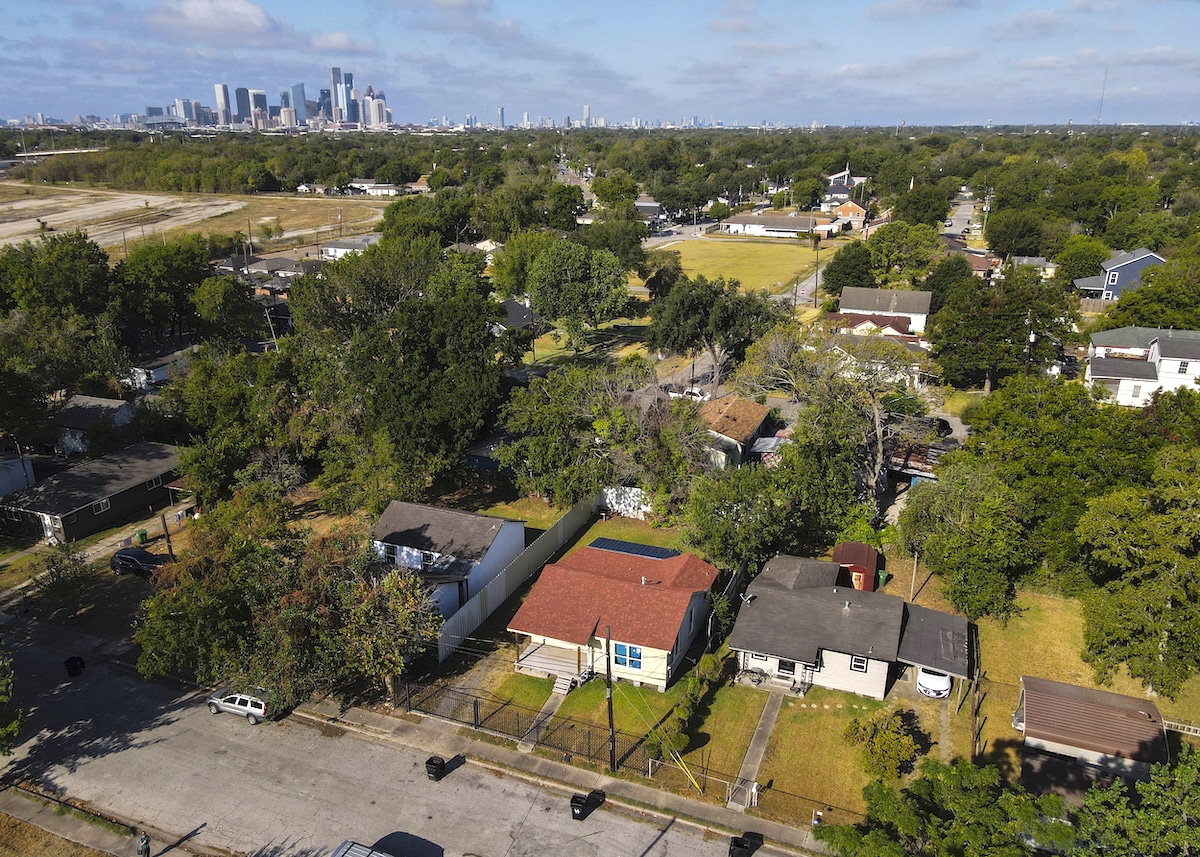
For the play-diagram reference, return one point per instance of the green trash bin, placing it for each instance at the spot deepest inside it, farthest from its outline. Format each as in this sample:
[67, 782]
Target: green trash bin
[140, 537]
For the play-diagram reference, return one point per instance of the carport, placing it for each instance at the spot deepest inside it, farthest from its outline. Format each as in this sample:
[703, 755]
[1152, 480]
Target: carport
[938, 641]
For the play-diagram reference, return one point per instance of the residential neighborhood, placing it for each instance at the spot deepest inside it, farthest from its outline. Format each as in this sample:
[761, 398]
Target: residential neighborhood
[772, 501]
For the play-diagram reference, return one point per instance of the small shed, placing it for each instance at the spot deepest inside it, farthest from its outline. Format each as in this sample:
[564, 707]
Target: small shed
[1076, 736]
[861, 560]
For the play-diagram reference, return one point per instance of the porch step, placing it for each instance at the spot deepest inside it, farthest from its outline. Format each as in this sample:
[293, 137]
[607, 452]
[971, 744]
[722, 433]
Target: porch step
[562, 684]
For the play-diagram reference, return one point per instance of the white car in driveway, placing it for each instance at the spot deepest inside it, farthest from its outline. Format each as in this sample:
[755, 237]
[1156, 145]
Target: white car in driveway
[933, 683]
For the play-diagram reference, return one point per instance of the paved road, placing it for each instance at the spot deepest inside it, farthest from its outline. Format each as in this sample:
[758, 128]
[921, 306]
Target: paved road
[152, 755]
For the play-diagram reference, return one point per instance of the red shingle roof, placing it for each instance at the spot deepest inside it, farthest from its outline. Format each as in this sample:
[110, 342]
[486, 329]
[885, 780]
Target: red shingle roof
[577, 598]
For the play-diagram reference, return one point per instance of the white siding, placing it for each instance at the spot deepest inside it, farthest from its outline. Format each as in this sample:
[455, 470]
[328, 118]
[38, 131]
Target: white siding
[834, 672]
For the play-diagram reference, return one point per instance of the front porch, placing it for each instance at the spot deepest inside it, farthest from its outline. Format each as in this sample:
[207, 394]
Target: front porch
[544, 659]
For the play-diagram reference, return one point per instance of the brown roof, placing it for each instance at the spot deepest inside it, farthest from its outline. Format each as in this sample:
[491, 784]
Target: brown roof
[1096, 720]
[734, 418]
[856, 553]
[642, 599]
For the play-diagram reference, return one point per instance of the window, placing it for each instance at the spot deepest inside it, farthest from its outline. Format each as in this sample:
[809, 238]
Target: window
[1112, 278]
[13, 514]
[1137, 391]
[389, 553]
[1183, 364]
[428, 560]
[102, 506]
[154, 483]
[787, 667]
[627, 656]
[858, 663]
[755, 656]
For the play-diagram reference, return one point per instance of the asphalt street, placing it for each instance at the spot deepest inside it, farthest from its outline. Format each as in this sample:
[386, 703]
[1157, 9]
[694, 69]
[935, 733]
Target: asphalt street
[149, 754]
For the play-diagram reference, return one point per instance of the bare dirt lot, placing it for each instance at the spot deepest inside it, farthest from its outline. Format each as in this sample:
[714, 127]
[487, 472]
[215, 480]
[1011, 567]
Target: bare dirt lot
[103, 214]
[114, 219]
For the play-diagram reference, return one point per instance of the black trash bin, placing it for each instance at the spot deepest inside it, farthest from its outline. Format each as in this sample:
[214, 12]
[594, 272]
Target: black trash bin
[579, 807]
[596, 798]
[739, 846]
[74, 665]
[435, 768]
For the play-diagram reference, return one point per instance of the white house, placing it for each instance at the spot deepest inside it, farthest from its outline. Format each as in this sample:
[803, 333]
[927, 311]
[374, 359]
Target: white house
[456, 553]
[1134, 363]
[909, 303]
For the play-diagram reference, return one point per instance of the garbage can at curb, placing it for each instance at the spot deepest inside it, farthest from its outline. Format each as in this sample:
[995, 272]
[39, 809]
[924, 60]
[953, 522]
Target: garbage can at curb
[74, 665]
[435, 768]
[140, 537]
[579, 805]
[739, 846]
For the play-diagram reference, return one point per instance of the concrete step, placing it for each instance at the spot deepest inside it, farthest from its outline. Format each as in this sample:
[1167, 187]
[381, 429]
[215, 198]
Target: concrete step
[562, 684]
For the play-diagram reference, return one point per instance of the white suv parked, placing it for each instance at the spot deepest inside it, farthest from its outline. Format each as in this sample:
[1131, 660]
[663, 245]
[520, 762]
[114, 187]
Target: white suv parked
[229, 701]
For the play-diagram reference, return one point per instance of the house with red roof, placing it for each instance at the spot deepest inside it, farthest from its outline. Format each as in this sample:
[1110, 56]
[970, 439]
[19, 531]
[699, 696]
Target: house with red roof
[649, 602]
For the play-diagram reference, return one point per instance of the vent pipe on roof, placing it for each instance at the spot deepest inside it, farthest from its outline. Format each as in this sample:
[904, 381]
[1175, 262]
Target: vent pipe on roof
[846, 607]
[643, 580]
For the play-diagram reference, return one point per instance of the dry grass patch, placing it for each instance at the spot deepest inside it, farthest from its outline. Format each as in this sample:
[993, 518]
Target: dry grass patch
[20, 839]
[631, 530]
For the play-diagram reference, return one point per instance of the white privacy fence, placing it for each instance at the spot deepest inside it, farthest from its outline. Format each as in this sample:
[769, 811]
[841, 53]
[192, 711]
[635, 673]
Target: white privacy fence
[472, 614]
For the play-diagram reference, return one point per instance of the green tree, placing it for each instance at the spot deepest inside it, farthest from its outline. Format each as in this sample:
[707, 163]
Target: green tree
[965, 527]
[225, 311]
[925, 204]
[1169, 295]
[901, 252]
[982, 331]
[855, 378]
[1080, 256]
[850, 266]
[510, 267]
[953, 271]
[713, 316]
[11, 717]
[563, 203]
[718, 211]
[1164, 821]
[578, 286]
[1014, 233]
[885, 742]
[1143, 546]
[616, 188]
[951, 811]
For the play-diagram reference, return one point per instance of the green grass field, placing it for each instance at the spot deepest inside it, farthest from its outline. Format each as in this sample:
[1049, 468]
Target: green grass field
[771, 264]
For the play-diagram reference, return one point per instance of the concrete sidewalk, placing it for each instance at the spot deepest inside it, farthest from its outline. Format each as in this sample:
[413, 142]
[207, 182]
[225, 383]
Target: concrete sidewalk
[444, 739]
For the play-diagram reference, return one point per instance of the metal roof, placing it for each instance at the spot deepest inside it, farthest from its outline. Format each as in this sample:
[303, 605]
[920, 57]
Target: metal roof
[1097, 720]
[860, 300]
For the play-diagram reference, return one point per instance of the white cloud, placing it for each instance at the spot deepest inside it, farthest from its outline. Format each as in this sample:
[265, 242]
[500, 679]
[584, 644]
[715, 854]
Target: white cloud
[340, 43]
[916, 8]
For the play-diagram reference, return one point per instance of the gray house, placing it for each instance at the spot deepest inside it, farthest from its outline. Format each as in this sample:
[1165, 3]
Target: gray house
[94, 495]
[799, 628]
[456, 553]
[83, 414]
[901, 303]
[1119, 274]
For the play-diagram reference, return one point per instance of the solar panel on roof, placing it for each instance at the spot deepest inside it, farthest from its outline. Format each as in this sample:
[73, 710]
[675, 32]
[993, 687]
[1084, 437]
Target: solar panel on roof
[633, 548]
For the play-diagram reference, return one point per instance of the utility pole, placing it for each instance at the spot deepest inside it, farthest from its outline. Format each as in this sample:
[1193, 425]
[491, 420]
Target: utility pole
[612, 731]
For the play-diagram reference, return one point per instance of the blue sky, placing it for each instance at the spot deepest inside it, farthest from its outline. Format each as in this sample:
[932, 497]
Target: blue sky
[870, 62]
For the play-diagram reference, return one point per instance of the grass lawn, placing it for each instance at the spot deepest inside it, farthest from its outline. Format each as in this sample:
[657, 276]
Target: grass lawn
[722, 736]
[101, 603]
[631, 530]
[636, 710]
[808, 765]
[957, 400]
[525, 691]
[755, 263]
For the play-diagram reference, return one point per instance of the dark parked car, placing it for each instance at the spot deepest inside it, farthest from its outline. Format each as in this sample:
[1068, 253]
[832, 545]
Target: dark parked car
[136, 560]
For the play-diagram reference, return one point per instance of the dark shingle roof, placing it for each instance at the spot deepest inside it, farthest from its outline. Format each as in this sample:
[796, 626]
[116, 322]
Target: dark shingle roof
[1120, 259]
[449, 532]
[860, 300]
[87, 483]
[81, 412]
[1179, 349]
[794, 611]
[1118, 367]
[1139, 337]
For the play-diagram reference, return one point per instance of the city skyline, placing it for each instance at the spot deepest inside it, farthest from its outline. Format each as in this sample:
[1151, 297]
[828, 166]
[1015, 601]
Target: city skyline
[891, 62]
